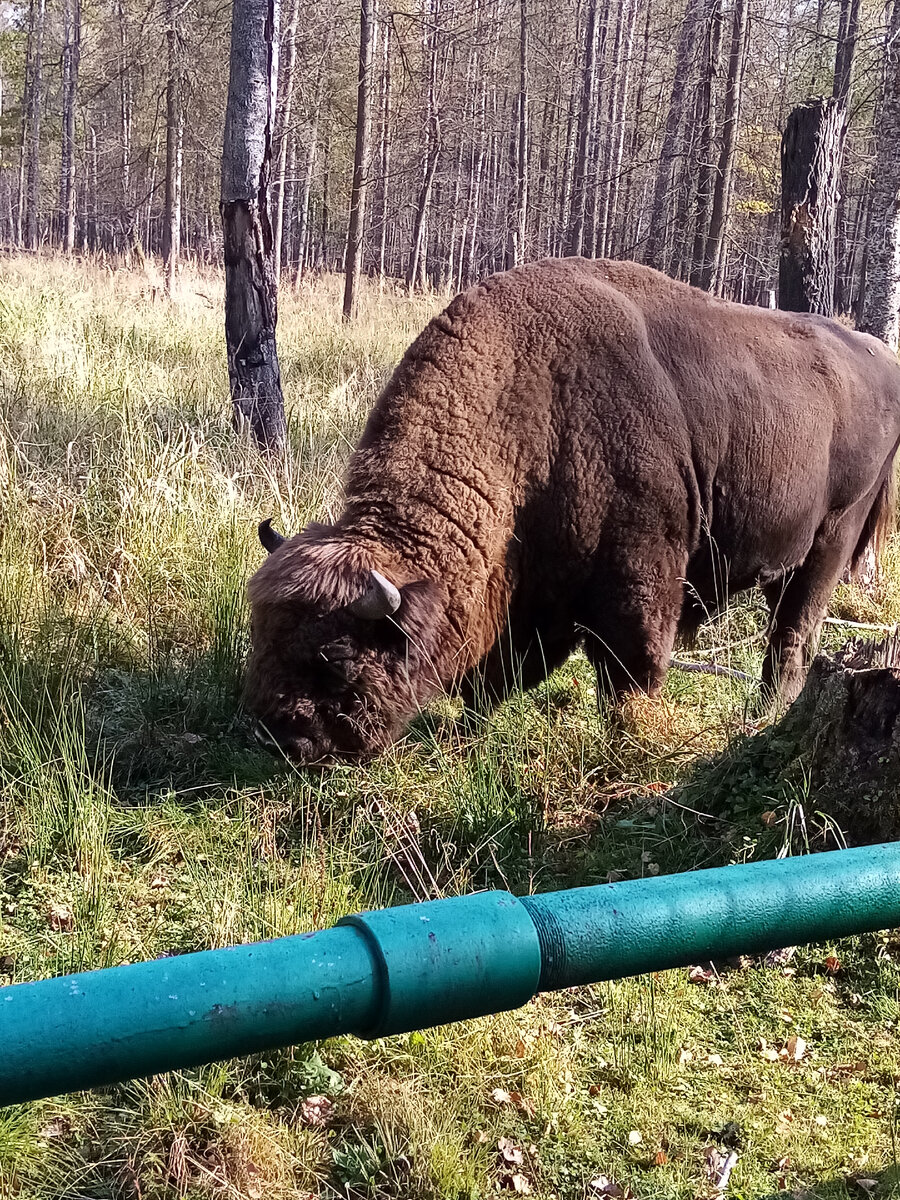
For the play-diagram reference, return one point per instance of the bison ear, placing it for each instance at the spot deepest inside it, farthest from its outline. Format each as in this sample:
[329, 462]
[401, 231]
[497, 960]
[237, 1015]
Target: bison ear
[380, 599]
[270, 538]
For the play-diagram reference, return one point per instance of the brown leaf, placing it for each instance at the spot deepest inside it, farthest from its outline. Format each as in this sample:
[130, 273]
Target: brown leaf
[478, 1137]
[768, 818]
[660, 1158]
[510, 1152]
[795, 1047]
[832, 965]
[520, 1049]
[701, 975]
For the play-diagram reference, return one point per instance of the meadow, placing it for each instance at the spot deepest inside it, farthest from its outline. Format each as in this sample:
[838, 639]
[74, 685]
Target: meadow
[138, 818]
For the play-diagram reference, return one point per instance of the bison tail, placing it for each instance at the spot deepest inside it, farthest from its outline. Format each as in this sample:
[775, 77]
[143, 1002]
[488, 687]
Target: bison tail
[879, 523]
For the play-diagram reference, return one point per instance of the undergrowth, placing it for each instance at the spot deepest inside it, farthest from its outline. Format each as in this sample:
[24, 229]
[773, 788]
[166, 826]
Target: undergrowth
[138, 818]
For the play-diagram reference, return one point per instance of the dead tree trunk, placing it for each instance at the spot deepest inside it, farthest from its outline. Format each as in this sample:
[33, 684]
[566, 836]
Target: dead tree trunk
[33, 120]
[811, 152]
[578, 202]
[353, 264]
[251, 295]
[285, 134]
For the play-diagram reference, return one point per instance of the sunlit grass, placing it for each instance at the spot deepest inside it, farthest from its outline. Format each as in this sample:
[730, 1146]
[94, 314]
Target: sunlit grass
[137, 818]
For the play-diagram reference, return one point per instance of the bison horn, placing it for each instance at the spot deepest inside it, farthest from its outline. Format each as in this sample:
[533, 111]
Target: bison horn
[380, 599]
[270, 538]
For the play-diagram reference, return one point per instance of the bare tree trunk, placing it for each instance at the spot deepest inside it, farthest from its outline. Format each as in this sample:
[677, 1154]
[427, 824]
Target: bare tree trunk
[658, 233]
[712, 266]
[251, 295]
[578, 200]
[353, 264]
[882, 286]
[415, 270]
[846, 48]
[71, 58]
[705, 172]
[33, 118]
[284, 135]
[125, 123]
[811, 151]
[304, 240]
[384, 145]
[519, 249]
[174, 148]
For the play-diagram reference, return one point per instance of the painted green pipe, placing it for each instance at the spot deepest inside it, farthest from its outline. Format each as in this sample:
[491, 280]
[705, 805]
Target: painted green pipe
[398, 969]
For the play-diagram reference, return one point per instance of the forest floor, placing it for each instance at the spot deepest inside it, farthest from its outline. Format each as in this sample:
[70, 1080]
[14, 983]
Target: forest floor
[137, 819]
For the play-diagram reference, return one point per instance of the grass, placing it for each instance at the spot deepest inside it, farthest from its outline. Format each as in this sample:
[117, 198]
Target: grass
[137, 818]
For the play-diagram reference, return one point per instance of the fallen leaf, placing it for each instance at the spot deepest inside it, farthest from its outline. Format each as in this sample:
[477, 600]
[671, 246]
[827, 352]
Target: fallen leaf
[701, 975]
[685, 1056]
[520, 1049]
[770, 1054]
[478, 1137]
[61, 918]
[832, 965]
[635, 1137]
[501, 1096]
[795, 1047]
[604, 1186]
[714, 1060]
[517, 1183]
[821, 1120]
[768, 818]
[316, 1110]
[660, 1158]
[510, 1152]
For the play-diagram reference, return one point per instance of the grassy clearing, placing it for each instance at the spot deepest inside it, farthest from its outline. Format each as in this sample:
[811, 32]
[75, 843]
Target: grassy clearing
[138, 819]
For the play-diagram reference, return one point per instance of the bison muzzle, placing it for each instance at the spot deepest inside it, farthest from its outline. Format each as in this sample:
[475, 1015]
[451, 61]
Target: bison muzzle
[574, 452]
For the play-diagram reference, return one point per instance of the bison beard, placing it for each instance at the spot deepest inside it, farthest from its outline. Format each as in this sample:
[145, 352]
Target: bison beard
[574, 451]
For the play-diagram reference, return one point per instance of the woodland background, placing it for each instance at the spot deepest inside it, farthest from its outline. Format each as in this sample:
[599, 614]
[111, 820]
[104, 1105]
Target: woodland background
[499, 131]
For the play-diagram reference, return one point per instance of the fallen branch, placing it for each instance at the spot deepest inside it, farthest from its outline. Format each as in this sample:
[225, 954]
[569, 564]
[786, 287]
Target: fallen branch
[711, 669]
[861, 625]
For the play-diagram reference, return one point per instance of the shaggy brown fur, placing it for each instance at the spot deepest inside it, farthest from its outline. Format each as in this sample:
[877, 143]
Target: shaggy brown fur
[576, 451]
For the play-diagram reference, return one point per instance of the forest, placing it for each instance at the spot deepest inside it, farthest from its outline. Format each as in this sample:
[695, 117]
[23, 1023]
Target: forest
[494, 133]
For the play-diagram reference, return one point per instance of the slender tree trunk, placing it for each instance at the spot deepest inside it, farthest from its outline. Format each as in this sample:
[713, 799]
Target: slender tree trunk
[658, 233]
[174, 148]
[304, 239]
[811, 151]
[125, 124]
[519, 245]
[882, 288]
[705, 172]
[353, 263]
[71, 58]
[33, 148]
[251, 295]
[578, 198]
[712, 267]
[284, 135]
[416, 268]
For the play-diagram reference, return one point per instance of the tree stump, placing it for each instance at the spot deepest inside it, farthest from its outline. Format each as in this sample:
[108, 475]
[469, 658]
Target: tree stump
[836, 752]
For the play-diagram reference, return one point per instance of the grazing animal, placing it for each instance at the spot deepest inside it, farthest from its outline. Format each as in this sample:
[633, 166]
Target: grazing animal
[574, 451]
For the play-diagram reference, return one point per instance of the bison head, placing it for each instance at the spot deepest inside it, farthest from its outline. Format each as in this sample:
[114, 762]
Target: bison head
[341, 657]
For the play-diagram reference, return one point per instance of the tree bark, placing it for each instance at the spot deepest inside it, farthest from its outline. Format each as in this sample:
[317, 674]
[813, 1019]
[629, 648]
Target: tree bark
[174, 147]
[705, 170]
[251, 295]
[578, 200]
[655, 251]
[416, 269]
[713, 266]
[519, 252]
[882, 290]
[32, 231]
[284, 135]
[811, 152]
[71, 58]
[359, 185]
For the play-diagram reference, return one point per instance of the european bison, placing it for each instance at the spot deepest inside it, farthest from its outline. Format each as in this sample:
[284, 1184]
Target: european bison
[574, 451]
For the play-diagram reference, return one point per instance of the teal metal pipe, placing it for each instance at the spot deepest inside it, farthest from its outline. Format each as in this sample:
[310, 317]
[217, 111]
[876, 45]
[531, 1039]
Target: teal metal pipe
[386, 972]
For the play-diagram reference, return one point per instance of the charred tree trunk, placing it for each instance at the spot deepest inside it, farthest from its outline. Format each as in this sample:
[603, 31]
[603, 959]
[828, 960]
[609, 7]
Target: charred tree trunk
[251, 295]
[353, 265]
